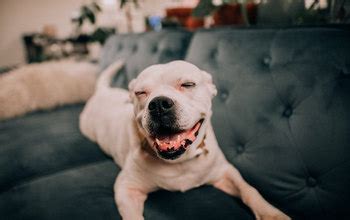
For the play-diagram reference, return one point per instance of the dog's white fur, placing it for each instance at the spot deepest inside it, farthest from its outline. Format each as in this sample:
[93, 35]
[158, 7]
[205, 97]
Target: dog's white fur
[45, 86]
[117, 121]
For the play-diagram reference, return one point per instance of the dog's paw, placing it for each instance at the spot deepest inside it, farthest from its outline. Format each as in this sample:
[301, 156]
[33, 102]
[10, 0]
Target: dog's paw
[276, 215]
[271, 213]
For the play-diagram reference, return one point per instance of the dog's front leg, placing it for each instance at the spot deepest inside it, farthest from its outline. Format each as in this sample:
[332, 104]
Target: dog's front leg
[232, 183]
[130, 198]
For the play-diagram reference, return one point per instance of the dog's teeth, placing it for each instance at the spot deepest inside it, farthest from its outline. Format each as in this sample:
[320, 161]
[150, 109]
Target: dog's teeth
[178, 138]
[157, 141]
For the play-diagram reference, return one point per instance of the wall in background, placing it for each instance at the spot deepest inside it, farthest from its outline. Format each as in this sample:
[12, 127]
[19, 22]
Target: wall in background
[19, 17]
[28, 16]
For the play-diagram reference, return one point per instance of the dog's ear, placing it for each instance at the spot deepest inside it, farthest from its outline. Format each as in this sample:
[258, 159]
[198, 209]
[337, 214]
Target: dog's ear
[131, 87]
[211, 86]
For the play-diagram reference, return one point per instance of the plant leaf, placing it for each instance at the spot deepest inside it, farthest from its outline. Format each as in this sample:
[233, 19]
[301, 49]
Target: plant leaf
[80, 21]
[91, 17]
[89, 14]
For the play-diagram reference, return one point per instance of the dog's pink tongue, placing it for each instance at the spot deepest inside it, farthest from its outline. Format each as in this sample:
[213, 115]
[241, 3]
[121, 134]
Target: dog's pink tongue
[178, 140]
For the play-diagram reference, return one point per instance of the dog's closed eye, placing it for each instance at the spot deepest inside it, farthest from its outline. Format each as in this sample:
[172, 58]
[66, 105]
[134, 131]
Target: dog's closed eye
[140, 93]
[188, 85]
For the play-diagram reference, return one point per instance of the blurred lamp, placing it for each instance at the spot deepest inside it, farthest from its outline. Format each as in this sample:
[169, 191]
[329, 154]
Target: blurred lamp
[155, 22]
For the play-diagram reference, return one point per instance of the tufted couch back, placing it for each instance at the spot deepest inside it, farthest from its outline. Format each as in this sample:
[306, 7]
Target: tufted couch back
[142, 50]
[282, 113]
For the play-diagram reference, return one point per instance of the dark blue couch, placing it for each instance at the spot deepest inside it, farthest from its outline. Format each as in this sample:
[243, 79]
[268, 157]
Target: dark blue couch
[282, 117]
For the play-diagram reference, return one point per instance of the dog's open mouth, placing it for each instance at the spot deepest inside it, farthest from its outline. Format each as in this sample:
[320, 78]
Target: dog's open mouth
[172, 146]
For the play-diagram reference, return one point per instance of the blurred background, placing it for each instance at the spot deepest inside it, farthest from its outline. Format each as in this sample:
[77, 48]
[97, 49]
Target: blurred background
[41, 30]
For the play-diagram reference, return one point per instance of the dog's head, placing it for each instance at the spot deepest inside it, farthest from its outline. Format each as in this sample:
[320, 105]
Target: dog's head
[172, 104]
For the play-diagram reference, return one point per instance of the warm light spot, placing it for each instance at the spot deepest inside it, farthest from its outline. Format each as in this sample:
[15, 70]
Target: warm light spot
[321, 4]
[109, 2]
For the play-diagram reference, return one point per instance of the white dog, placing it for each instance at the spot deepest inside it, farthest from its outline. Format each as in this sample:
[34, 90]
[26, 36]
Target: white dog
[161, 136]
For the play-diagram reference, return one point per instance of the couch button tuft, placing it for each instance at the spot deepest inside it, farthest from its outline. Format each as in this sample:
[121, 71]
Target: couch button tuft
[267, 61]
[311, 182]
[240, 149]
[223, 95]
[134, 48]
[154, 49]
[214, 53]
[288, 111]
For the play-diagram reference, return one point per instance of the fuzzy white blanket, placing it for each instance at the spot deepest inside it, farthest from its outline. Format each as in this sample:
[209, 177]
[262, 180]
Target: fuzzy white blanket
[45, 86]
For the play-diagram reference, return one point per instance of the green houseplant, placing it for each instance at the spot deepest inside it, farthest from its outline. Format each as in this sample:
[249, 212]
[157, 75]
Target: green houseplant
[88, 13]
[227, 12]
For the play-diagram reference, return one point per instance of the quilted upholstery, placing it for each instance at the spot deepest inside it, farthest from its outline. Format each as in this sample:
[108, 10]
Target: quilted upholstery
[142, 50]
[48, 170]
[282, 114]
[281, 117]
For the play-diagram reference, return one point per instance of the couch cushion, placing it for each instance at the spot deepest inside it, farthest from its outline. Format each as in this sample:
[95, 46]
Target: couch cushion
[48, 170]
[282, 112]
[86, 192]
[43, 143]
[142, 50]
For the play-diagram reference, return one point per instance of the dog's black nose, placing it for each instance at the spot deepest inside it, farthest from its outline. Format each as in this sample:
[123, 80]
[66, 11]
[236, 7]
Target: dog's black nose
[160, 105]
